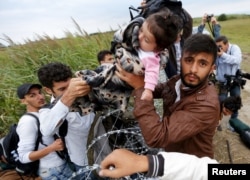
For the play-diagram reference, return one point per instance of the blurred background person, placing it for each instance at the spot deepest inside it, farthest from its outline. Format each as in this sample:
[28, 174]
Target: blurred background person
[216, 27]
[105, 56]
[228, 62]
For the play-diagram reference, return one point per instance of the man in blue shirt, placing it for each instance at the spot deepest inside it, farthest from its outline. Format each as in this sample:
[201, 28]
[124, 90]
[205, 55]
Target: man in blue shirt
[227, 62]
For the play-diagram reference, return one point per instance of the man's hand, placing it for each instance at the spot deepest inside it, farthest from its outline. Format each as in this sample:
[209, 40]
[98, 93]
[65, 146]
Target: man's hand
[204, 19]
[219, 53]
[122, 162]
[57, 145]
[133, 80]
[143, 3]
[3, 159]
[213, 20]
[77, 88]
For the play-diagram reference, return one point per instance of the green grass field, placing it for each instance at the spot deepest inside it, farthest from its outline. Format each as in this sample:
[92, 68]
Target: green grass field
[20, 62]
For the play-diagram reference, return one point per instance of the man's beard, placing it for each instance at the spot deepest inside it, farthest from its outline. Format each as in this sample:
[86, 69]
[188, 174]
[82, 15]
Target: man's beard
[200, 81]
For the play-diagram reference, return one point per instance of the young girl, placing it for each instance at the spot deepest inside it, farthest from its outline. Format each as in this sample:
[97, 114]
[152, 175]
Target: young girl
[137, 47]
[157, 32]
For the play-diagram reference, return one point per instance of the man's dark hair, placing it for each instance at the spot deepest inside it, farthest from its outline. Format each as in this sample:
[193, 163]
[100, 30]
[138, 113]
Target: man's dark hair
[53, 72]
[101, 55]
[233, 103]
[222, 38]
[200, 43]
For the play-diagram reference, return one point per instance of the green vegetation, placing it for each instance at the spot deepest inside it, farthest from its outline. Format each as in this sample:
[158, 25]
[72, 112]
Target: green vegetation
[236, 28]
[20, 62]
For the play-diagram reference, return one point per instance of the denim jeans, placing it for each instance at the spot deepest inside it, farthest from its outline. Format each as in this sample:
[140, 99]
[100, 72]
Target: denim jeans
[83, 174]
[233, 91]
[62, 172]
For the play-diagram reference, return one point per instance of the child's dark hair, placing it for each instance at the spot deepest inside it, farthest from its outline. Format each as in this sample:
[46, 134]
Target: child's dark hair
[165, 26]
[233, 103]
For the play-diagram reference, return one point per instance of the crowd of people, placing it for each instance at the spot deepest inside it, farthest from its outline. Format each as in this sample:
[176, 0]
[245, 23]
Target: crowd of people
[192, 108]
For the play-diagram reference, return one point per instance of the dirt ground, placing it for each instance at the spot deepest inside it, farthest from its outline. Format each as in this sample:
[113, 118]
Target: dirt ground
[228, 145]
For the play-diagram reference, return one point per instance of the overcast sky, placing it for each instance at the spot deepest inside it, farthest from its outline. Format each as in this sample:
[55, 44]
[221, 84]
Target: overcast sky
[25, 19]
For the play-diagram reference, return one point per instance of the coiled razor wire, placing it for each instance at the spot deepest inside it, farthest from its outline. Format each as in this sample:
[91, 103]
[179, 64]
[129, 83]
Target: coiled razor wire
[130, 132]
[134, 142]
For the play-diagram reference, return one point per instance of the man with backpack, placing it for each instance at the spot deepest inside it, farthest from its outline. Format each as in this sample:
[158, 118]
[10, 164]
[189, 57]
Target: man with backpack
[28, 148]
[57, 79]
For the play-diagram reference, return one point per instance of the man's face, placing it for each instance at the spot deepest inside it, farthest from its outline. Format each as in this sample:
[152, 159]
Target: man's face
[34, 100]
[58, 88]
[195, 68]
[109, 58]
[223, 47]
[226, 112]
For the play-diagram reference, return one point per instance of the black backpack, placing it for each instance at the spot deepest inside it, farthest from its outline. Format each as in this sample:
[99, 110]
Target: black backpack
[64, 154]
[174, 6]
[63, 131]
[8, 149]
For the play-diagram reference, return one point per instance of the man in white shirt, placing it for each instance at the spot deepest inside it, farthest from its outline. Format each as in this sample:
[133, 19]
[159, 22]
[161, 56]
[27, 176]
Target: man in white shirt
[32, 97]
[58, 81]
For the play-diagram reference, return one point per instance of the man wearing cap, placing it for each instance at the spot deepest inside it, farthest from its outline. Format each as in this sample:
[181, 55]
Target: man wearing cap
[32, 97]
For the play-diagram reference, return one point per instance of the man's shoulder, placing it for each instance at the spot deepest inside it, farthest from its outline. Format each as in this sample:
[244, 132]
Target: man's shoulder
[174, 79]
[57, 102]
[207, 91]
[48, 106]
[235, 46]
[28, 121]
[29, 116]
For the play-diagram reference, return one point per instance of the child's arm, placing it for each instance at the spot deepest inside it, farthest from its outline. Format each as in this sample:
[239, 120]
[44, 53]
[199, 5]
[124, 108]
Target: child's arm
[147, 95]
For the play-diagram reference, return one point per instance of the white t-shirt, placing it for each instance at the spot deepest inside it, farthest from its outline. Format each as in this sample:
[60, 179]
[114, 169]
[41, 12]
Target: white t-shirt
[78, 129]
[27, 132]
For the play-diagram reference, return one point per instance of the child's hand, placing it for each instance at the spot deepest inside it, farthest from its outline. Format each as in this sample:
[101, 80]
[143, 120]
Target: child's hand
[147, 95]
